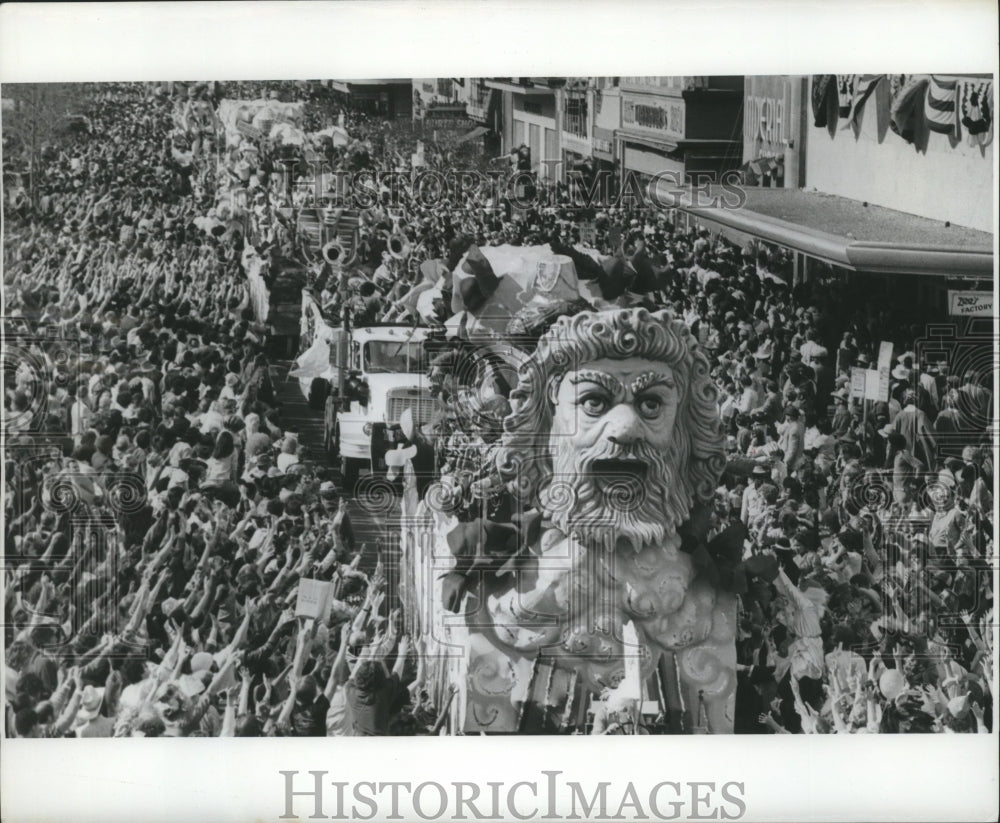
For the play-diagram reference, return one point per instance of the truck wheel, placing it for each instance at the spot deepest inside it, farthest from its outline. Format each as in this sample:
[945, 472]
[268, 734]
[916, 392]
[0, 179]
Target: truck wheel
[318, 391]
[349, 468]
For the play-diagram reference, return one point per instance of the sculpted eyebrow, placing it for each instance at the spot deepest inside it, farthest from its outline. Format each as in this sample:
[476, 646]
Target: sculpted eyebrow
[606, 381]
[651, 378]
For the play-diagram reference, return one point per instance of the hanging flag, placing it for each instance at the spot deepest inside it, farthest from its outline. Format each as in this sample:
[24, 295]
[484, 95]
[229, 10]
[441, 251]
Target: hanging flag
[896, 83]
[907, 95]
[864, 85]
[975, 109]
[823, 86]
[845, 94]
[939, 107]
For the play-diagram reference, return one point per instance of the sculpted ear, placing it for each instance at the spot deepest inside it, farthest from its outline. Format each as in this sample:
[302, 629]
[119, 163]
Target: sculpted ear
[552, 391]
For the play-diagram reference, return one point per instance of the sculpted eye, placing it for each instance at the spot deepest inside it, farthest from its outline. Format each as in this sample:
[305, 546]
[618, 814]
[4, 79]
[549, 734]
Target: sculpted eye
[649, 406]
[594, 404]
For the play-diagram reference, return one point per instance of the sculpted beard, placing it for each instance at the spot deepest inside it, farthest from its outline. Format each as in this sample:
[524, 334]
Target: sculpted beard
[645, 509]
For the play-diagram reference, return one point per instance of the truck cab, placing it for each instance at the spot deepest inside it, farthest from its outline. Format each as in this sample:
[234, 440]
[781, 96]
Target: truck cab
[386, 374]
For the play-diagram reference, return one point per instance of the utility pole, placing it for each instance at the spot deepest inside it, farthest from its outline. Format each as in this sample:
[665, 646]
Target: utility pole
[345, 325]
[33, 160]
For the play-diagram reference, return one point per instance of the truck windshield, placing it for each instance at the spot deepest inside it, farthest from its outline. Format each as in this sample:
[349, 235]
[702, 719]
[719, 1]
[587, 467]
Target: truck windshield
[390, 357]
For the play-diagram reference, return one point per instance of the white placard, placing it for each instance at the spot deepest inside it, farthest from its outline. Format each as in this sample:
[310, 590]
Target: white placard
[876, 386]
[885, 355]
[858, 382]
[315, 597]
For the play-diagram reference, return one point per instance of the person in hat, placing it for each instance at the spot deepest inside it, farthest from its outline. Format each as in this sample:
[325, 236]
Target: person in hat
[791, 437]
[948, 523]
[753, 503]
[905, 467]
[841, 422]
[915, 427]
[334, 519]
[903, 369]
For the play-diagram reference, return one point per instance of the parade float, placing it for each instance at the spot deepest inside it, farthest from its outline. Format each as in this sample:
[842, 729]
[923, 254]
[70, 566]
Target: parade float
[556, 534]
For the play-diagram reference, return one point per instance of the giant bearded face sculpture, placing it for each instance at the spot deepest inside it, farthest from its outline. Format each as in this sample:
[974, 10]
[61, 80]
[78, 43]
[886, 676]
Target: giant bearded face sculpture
[616, 424]
[612, 426]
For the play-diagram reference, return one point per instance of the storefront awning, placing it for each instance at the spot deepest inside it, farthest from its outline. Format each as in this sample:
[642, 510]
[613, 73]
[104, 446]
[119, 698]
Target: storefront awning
[477, 132]
[516, 88]
[662, 144]
[845, 232]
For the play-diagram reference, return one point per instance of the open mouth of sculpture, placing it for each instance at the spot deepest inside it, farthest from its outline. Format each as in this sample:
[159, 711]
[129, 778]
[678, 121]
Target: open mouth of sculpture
[627, 469]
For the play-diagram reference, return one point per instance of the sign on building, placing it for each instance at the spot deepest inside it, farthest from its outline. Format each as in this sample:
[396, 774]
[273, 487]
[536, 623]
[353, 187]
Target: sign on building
[766, 126]
[970, 303]
[654, 115]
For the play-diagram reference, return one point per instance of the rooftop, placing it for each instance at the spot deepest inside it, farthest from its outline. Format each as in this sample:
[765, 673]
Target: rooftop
[853, 219]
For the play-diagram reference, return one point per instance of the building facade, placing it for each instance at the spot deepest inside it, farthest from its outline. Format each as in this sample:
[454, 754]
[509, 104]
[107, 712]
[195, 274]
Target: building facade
[529, 116]
[774, 130]
[392, 98]
[688, 127]
[939, 171]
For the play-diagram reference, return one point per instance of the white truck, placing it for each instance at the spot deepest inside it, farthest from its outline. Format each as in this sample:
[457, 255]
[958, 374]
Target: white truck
[386, 374]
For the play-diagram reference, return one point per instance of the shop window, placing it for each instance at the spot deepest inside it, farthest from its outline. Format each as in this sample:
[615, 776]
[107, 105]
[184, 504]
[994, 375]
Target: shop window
[575, 117]
[478, 93]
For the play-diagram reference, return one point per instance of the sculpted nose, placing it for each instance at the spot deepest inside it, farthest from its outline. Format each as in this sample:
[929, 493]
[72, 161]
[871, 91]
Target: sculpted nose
[622, 427]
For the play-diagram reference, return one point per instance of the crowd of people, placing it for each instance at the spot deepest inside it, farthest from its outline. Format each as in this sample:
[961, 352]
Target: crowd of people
[160, 514]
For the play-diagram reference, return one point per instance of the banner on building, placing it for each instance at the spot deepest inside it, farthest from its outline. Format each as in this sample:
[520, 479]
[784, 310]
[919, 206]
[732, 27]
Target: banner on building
[970, 303]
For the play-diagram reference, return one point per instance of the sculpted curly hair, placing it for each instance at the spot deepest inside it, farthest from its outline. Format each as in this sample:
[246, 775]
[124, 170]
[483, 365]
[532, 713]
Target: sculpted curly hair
[697, 451]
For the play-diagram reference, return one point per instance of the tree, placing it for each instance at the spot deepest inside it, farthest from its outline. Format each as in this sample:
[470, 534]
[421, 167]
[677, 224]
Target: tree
[37, 114]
